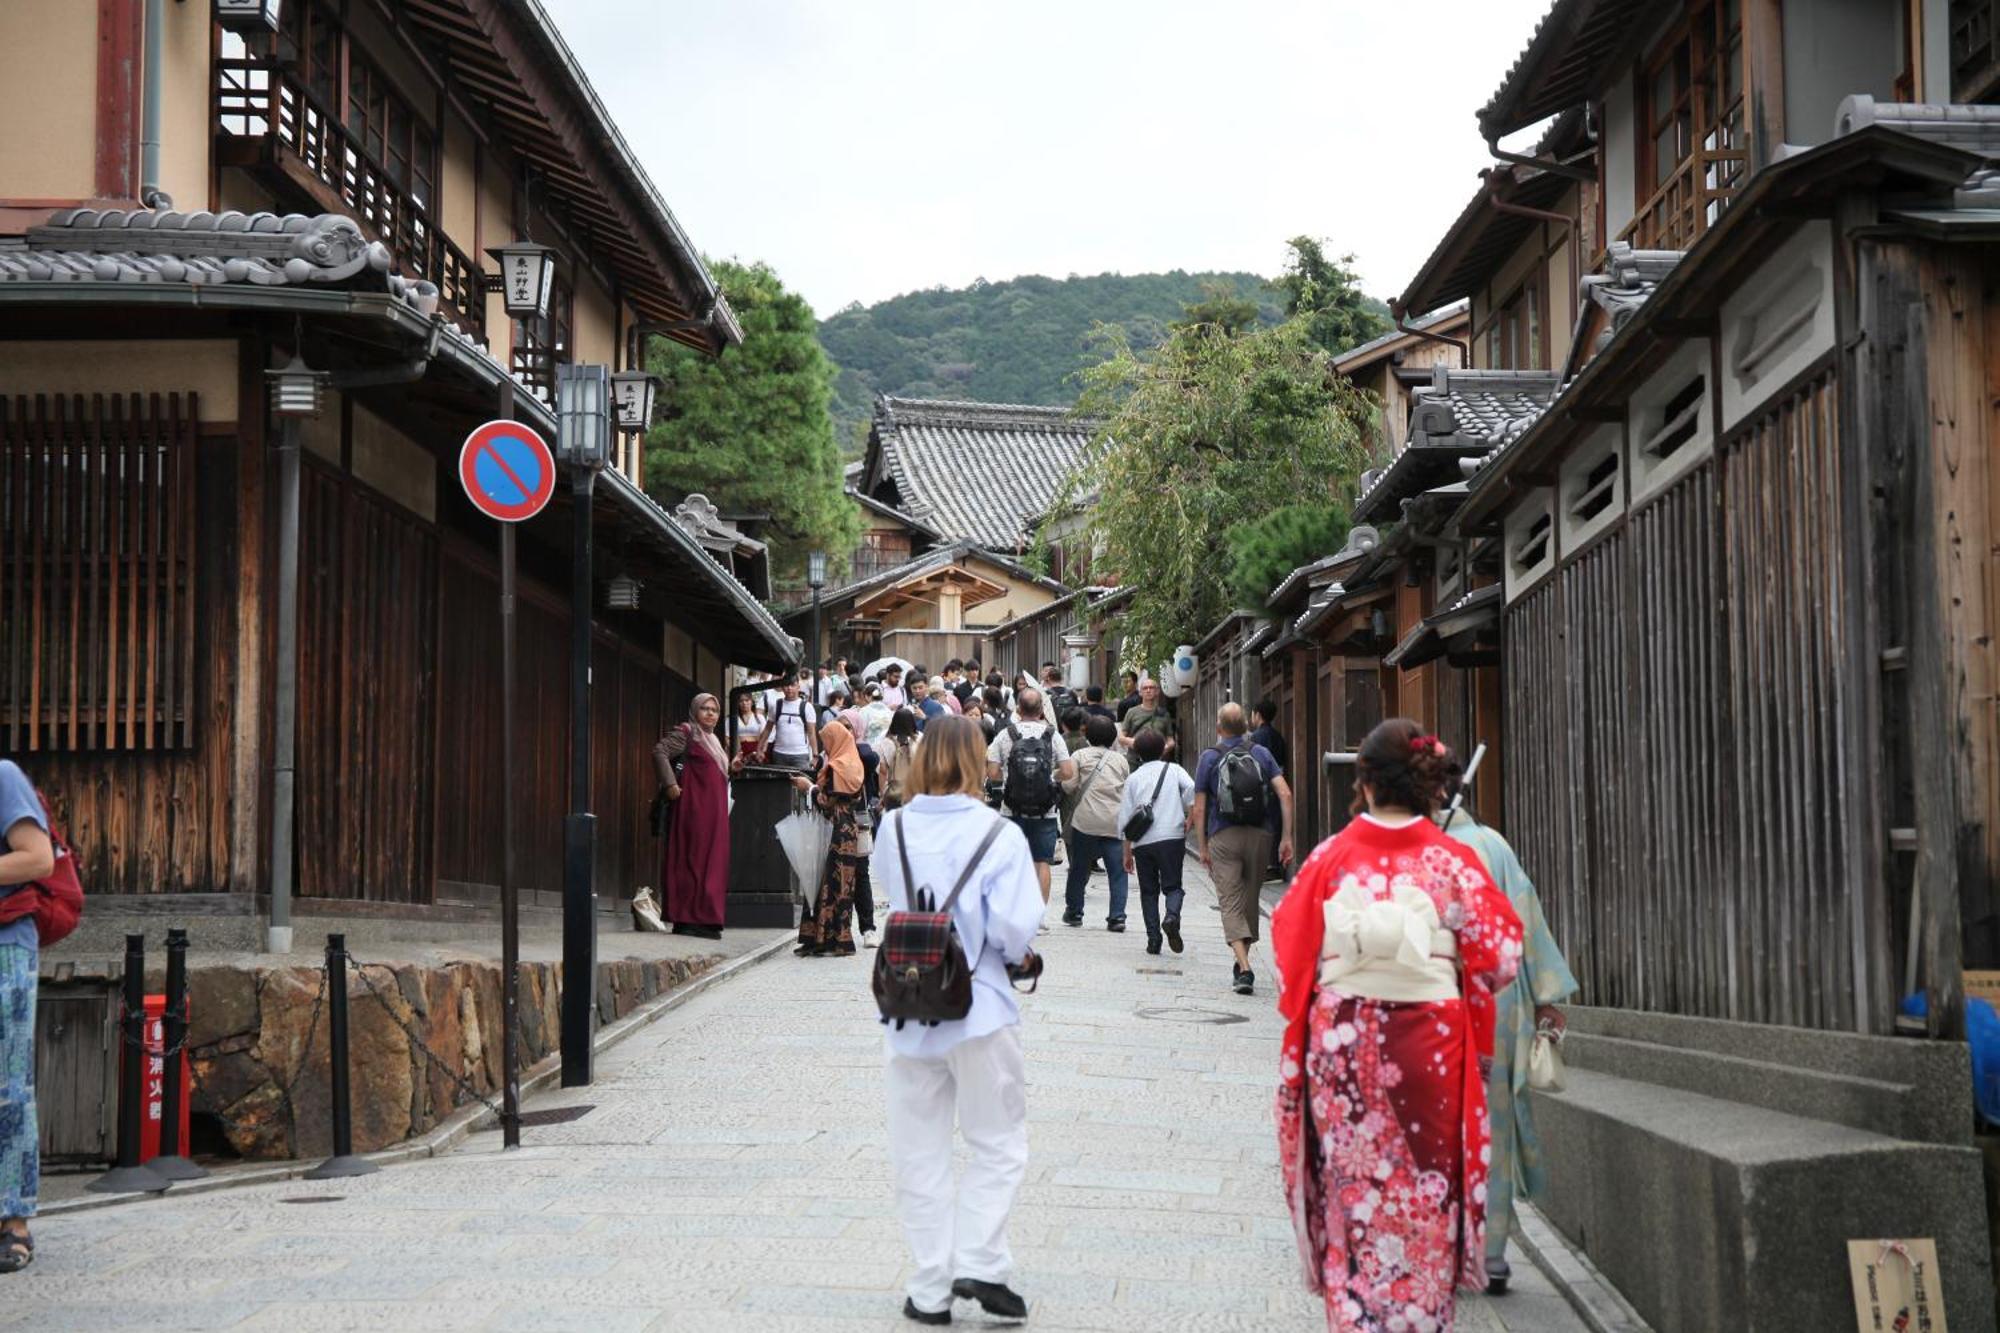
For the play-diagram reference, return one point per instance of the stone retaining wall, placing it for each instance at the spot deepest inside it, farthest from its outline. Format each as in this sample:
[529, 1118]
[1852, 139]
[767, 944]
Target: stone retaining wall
[253, 1029]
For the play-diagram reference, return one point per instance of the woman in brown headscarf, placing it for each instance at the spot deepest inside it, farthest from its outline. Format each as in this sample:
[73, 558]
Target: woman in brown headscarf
[837, 793]
[694, 868]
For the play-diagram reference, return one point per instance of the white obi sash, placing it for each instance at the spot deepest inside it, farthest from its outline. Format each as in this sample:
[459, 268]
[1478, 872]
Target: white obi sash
[1391, 948]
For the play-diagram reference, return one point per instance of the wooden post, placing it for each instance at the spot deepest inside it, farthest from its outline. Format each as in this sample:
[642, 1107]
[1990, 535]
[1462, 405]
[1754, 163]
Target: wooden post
[1764, 79]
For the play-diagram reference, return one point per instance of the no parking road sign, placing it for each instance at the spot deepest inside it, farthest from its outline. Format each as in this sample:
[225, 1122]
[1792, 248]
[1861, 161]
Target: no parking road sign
[508, 470]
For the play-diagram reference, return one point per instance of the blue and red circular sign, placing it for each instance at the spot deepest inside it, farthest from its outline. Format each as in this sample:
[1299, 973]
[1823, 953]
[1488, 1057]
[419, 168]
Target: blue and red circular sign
[508, 470]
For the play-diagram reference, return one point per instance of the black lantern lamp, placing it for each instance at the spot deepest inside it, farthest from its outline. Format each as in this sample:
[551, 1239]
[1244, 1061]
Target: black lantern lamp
[632, 392]
[583, 415]
[248, 17]
[527, 273]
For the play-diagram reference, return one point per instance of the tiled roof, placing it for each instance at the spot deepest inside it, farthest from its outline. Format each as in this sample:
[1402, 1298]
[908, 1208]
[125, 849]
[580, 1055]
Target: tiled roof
[976, 472]
[1464, 415]
[1355, 356]
[1570, 53]
[870, 503]
[940, 558]
[1629, 277]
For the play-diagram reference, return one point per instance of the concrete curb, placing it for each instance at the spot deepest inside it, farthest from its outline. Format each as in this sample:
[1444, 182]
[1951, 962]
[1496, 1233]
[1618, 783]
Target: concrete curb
[1595, 1300]
[462, 1123]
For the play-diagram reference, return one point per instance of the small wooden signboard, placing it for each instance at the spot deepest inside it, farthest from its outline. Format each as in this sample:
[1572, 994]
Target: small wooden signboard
[1897, 1288]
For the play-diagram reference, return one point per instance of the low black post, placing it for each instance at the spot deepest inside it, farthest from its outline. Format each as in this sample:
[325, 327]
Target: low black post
[129, 1177]
[343, 1162]
[172, 1161]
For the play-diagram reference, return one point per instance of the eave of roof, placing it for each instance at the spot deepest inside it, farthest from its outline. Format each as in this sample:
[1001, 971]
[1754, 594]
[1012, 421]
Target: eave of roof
[1224, 626]
[1360, 358]
[939, 559]
[1777, 198]
[1479, 241]
[904, 517]
[1569, 58]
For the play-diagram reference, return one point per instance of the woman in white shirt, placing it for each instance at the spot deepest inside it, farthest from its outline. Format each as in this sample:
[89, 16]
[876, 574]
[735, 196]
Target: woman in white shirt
[1159, 853]
[749, 724]
[972, 1067]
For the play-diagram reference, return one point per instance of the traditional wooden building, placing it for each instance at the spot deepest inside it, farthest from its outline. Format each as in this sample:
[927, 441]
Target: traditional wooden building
[326, 192]
[1728, 581]
[1079, 631]
[949, 494]
[1399, 362]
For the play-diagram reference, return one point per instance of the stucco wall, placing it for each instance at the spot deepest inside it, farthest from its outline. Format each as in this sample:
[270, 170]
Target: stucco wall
[205, 365]
[48, 69]
[1850, 46]
[185, 99]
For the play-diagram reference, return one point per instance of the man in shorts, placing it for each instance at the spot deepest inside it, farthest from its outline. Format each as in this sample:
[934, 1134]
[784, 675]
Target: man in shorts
[1041, 826]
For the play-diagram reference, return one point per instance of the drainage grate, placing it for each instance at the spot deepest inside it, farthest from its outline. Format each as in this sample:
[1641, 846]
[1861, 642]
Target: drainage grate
[1158, 971]
[556, 1115]
[315, 1198]
[1212, 1016]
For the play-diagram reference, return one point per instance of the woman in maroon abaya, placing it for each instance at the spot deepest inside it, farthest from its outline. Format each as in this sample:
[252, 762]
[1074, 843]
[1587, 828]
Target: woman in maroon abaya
[694, 869]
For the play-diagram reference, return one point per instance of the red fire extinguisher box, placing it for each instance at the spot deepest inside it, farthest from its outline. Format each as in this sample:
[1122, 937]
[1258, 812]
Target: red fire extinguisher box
[151, 1104]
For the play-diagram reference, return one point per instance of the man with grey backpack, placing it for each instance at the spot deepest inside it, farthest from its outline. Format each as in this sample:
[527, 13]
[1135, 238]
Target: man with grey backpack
[1236, 785]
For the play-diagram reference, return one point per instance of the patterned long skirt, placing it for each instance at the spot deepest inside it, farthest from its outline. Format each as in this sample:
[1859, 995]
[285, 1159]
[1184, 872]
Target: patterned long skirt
[829, 928]
[20, 1145]
[1387, 1083]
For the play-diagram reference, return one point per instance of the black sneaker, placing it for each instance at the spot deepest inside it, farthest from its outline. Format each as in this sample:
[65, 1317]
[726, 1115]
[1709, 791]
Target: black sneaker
[996, 1298]
[1244, 979]
[1116, 925]
[1498, 1274]
[1069, 920]
[910, 1311]
[1153, 945]
[1172, 925]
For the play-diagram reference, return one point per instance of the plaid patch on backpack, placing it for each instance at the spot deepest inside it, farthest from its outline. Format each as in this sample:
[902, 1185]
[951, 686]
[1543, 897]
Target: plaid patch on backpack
[921, 972]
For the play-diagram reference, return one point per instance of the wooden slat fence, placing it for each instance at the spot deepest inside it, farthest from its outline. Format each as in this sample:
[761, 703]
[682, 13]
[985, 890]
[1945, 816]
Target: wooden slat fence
[97, 619]
[1676, 763]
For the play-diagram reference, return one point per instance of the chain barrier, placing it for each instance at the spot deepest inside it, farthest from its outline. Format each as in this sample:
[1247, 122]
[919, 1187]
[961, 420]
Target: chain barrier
[285, 1088]
[417, 1040]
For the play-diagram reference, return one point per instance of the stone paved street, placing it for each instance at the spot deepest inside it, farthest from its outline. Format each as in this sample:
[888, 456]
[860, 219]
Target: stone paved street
[732, 1175]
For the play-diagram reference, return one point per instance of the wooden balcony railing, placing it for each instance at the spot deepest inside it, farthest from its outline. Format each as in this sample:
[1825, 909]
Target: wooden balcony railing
[263, 106]
[1690, 200]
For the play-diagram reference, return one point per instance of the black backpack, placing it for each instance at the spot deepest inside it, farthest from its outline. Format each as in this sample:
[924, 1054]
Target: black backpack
[1240, 787]
[921, 972]
[1030, 790]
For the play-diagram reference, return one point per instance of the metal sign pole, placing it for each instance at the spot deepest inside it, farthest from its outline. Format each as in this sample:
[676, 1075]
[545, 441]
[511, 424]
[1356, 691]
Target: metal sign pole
[579, 997]
[510, 904]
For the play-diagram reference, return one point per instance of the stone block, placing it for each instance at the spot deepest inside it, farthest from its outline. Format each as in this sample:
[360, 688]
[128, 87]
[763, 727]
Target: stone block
[222, 1002]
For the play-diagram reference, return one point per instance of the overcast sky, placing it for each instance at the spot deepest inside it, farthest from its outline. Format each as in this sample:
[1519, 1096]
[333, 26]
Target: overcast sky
[865, 148]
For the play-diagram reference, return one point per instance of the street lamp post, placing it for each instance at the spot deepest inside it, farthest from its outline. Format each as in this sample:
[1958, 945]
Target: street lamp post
[815, 579]
[583, 443]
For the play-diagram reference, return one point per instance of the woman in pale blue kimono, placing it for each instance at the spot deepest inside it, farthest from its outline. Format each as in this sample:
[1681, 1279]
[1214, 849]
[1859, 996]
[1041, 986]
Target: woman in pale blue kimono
[1543, 981]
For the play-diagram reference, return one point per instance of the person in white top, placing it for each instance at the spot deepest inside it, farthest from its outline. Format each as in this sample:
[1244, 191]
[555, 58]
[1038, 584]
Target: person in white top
[1164, 790]
[971, 1069]
[791, 738]
[1030, 803]
[892, 686]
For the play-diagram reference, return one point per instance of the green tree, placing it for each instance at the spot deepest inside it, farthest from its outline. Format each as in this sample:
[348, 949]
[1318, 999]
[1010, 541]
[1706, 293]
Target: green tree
[1196, 438]
[1263, 550]
[1326, 295]
[751, 428]
[1221, 309]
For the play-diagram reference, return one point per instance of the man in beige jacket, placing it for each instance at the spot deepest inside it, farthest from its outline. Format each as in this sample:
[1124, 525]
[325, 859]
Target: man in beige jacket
[1097, 784]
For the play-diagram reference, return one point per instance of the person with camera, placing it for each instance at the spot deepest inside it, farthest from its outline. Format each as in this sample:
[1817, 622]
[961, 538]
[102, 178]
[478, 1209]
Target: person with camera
[944, 851]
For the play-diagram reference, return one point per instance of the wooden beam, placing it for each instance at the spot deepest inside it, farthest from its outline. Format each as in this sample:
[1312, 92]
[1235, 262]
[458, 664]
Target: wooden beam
[119, 37]
[1764, 79]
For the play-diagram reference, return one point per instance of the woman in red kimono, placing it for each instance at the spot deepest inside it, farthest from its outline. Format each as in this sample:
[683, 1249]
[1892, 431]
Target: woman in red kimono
[1390, 945]
[694, 867]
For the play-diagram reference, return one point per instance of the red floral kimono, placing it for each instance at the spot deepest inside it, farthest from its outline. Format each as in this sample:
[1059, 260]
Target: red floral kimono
[1382, 1127]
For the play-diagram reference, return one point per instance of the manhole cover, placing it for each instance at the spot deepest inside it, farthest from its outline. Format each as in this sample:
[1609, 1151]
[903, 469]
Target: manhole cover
[1214, 1016]
[315, 1198]
[556, 1115]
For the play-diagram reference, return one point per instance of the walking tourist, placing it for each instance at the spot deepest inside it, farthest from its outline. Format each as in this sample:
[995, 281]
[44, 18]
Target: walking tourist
[875, 715]
[1235, 784]
[1129, 700]
[1525, 1009]
[996, 681]
[1264, 731]
[1057, 697]
[750, 722]
[1150, 715]
[942, 692]
[968, 1070]
[790, 738]
[996, 707]
[975, 708]
[1098, 785]
[835, 705]
[924, 702]
[1382, 1130]
[1152, 819]
[897, 754]
[834, 674]
[837, 794]
[1031, 762]
[694, 859]
[892, 686]
[29, 855]
[1093, 703]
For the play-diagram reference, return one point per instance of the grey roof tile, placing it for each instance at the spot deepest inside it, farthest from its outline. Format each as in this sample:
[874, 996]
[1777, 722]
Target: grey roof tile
[978, 472]
[1630, 277]
[1464, 414]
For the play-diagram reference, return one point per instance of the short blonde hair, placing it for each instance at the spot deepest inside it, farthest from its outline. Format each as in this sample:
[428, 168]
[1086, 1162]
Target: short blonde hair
[950, 759]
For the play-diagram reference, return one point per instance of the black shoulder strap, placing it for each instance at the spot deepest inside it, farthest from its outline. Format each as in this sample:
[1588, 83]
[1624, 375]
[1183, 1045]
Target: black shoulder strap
[903, 854]
[1014, 732]
[1161, 782]
[965, 875]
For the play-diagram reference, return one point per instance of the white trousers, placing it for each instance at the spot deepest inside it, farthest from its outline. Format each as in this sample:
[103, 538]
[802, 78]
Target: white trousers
[963, 1232]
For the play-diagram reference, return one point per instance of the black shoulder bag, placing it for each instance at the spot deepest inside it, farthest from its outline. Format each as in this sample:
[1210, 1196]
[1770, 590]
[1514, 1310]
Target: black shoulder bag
[1141, 821]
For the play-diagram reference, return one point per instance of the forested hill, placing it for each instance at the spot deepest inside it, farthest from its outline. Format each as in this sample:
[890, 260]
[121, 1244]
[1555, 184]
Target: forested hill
[1018, 341]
